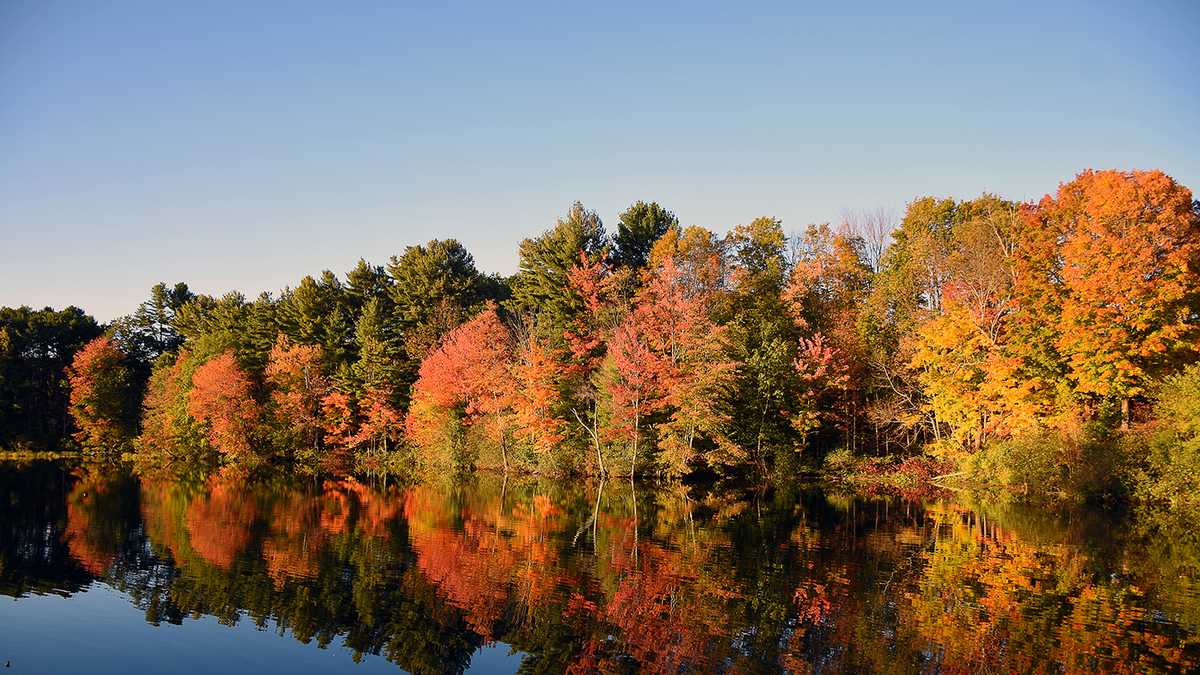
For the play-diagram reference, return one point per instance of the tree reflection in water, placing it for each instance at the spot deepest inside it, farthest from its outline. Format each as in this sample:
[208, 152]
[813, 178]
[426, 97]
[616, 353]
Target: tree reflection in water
[612, 576]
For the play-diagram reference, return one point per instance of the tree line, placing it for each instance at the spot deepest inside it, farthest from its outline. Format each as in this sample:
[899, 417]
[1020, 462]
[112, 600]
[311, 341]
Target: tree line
[671, 350]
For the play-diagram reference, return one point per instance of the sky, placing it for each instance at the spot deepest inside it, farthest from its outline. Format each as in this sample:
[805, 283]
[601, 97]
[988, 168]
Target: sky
[242, 145]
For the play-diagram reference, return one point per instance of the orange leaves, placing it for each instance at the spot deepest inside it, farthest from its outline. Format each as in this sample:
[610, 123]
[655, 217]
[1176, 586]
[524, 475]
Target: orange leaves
[380, 419]
[221, 397]
[219, 521]
[468, 377]
[537, 374]
[100, 394]
[1125, 276]
[470, 367]
[1095, 287]
[79, 533]
[298, 385]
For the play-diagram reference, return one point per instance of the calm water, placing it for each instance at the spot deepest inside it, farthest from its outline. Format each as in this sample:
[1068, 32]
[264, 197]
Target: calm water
[101, 571]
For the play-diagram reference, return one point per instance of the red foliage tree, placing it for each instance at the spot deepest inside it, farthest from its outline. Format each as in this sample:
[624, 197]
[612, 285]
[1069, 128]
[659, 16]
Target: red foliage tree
[597, 290]
[381, 422]
[221, 397]
[101, 394]
[339, 422]
[467, 378]
[298, 385]
[669, 356]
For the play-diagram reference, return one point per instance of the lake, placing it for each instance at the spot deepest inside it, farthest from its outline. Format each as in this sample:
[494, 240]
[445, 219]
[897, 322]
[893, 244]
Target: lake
[102, 571]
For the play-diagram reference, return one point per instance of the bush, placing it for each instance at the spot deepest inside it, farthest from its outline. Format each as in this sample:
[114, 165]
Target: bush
[1171, 445]
[1089, 466]
[840, 462]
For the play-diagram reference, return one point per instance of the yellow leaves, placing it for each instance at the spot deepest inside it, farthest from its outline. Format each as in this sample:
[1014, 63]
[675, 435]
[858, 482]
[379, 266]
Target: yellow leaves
[973, 385]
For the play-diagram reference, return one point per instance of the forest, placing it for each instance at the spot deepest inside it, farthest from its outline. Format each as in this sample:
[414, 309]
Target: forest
[1046, 349]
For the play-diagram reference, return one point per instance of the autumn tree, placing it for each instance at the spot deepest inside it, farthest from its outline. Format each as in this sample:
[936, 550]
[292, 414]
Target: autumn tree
[969, 356]
[827, 287]
[295, 375]
[687, 352]
[466, 381]
[537, 402]
[597, 291]
[103, 401]
[938, 319]
[339, 424]
[381, 421]
[699, 256]
[222, 399]
[635, 387]
[1125, 277]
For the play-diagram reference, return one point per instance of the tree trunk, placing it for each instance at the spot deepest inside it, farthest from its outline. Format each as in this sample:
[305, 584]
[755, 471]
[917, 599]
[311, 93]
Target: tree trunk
[1125, 414]
[637, 409]
[503, 453]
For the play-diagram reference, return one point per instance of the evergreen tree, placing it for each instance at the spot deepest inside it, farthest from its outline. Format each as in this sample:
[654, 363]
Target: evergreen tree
[379, 349]
[150, 330]
[423, 276]
[638, 227]
[541, 287]
[35, 349]
[365, 282]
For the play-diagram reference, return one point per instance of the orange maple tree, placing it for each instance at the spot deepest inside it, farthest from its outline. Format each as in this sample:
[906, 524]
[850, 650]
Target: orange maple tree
[1123, 275]
[222, 397]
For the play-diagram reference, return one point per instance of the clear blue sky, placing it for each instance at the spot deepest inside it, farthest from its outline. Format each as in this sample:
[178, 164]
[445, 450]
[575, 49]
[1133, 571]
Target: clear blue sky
[241, 145]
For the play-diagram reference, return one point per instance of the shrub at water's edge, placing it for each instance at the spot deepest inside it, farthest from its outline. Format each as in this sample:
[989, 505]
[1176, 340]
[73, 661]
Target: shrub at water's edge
[1154, 464]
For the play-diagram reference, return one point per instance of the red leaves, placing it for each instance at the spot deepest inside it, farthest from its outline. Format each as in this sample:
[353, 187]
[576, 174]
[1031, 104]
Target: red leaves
[595, 287]
[100, 391]
[468, 375]
[221, 396]
[380, 419]
[670, 356]
[638, 388]
[298, 386]
[338, 420]
[470, 367]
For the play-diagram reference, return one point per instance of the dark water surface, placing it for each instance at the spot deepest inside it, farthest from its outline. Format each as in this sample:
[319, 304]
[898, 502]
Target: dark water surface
[105, 572]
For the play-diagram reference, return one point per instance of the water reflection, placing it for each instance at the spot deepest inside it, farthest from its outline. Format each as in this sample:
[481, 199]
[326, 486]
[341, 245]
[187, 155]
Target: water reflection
[610, 577]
